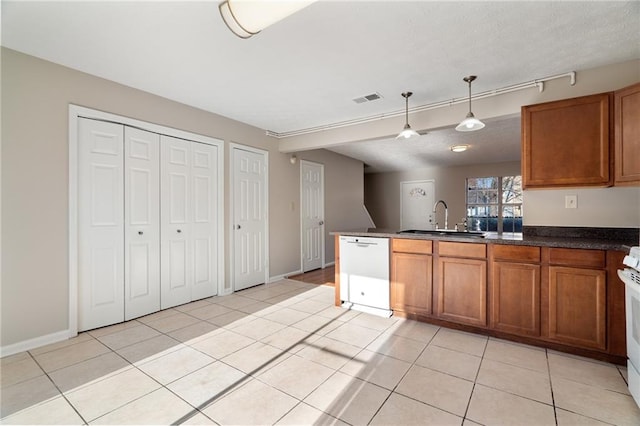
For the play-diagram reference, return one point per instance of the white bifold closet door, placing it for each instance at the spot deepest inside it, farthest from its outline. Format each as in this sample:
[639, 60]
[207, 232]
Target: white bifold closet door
[188, 221]
[142, 223]
[119, 223]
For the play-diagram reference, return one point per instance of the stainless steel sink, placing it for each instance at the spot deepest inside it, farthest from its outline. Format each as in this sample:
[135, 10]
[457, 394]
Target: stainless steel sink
[444, 232]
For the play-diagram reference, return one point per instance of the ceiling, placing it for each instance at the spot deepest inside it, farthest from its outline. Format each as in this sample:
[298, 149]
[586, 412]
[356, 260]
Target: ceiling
[305, 70]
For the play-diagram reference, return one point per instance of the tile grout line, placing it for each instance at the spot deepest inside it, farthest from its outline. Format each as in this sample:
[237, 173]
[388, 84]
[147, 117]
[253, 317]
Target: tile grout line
[59, 390]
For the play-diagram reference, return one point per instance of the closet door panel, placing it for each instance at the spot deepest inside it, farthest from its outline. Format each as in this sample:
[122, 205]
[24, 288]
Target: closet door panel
[204, 227]
[176, 253]
[142, 223]
[100, 231]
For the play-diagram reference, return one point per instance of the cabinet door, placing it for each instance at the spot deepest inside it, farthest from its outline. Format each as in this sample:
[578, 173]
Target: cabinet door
[627, 135]
[142, 223]
[411, 276]
[577, 306]
[462, 290]
[567, 143]
[515, 298]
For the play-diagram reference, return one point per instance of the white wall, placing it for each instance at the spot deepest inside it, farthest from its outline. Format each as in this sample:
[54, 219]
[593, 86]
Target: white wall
[35, 99]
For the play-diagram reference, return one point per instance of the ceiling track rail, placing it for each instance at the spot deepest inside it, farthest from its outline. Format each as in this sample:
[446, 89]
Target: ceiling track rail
[538, 83]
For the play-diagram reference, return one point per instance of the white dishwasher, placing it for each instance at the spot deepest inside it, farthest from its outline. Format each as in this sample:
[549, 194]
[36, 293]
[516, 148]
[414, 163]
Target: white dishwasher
[364, 274]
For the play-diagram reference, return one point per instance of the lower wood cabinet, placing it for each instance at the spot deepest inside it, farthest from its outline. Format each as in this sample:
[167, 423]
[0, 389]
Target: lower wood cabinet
[563, 298]
[411, 276]
[462, 284]
[515, 298]
[577, 306]
[514, 289]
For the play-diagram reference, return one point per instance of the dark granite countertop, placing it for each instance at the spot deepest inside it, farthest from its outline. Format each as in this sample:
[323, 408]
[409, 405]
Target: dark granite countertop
[620, 239]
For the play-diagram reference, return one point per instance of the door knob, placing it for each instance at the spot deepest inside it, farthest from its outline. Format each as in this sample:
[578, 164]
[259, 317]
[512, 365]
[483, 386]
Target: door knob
[321, 223]
[179, 231]
[238, 226]
[140, 232]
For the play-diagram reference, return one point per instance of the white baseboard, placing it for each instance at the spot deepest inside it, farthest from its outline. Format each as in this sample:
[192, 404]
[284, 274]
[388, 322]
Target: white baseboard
[36, 342]
[284, 276]
[329, 264]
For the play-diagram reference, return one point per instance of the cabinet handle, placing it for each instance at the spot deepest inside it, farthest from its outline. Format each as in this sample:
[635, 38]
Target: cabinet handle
[321, 223]
[238, 226]
[140, 232]
[179, 231]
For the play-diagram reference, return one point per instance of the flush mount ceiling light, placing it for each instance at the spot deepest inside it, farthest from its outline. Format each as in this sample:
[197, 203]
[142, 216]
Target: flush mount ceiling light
[407, 132]
[246, 18]
[470, 123]
[459, 148]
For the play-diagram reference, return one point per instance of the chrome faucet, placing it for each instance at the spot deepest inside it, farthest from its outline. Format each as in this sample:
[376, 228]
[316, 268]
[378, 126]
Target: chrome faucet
[446, 213]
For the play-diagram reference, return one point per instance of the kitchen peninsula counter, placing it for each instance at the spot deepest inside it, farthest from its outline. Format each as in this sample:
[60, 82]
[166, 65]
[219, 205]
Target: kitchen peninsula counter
[619, 239]
[555, 287]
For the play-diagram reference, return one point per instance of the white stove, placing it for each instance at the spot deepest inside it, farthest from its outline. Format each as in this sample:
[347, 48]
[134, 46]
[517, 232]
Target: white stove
[631, 277]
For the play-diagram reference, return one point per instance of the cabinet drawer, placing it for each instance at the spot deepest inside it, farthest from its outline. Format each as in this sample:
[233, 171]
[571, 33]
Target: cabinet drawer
[517, 253]
[412, 246]
[446, 248]
[577, 257]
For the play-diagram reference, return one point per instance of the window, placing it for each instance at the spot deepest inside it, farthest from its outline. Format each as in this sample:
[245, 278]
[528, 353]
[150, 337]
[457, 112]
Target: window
[494, 204]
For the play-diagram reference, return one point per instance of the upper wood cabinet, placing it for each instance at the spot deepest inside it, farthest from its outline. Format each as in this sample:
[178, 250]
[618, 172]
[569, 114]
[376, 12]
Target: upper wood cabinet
[627, 135]
[567, 143]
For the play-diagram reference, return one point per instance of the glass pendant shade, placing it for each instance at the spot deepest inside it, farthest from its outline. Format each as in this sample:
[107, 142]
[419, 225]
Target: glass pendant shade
[470, 124]
[407, 132]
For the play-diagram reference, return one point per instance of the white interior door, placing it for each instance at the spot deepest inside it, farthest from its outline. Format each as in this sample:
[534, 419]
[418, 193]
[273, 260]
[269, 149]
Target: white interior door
[416, 204]
[312, 215]
[176, 254]
[100, 224]
[249, 218]
[204, 228]
[142, 222]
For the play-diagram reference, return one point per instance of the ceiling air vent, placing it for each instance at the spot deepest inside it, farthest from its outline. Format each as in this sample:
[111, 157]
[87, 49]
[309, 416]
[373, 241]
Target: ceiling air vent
[367, 98]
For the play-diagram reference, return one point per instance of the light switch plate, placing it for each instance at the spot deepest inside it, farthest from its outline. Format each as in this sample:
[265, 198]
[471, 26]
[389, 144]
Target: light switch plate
[570, 201]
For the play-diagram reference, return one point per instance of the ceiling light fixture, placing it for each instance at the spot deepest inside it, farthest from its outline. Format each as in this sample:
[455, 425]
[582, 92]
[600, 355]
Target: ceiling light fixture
[459, 148]
[246, 18]
[470, 123]
[407, 132]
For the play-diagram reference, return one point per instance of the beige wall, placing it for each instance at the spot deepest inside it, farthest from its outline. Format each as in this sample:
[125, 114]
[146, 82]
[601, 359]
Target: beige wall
[35, 99]
[600, 207]
[617, 207]
[382, 190]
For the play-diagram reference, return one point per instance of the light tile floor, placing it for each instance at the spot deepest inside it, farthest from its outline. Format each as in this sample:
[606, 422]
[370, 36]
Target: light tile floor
[282, 354]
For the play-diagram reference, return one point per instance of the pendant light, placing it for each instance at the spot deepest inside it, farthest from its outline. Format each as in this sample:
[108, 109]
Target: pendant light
[407, 132]
[470, 123]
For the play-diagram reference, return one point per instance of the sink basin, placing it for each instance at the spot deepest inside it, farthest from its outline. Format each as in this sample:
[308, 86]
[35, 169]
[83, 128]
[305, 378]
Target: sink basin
[444, 232]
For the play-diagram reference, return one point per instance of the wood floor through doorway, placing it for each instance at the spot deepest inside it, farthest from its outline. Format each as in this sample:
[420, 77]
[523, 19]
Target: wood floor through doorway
[321, 276]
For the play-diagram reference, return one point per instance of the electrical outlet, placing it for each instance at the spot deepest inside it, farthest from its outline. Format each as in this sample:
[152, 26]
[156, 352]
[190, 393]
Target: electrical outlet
[570, 201]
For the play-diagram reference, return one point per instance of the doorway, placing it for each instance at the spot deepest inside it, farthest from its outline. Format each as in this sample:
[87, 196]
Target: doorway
[249, 216]
[416, 204]
[312, 215]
